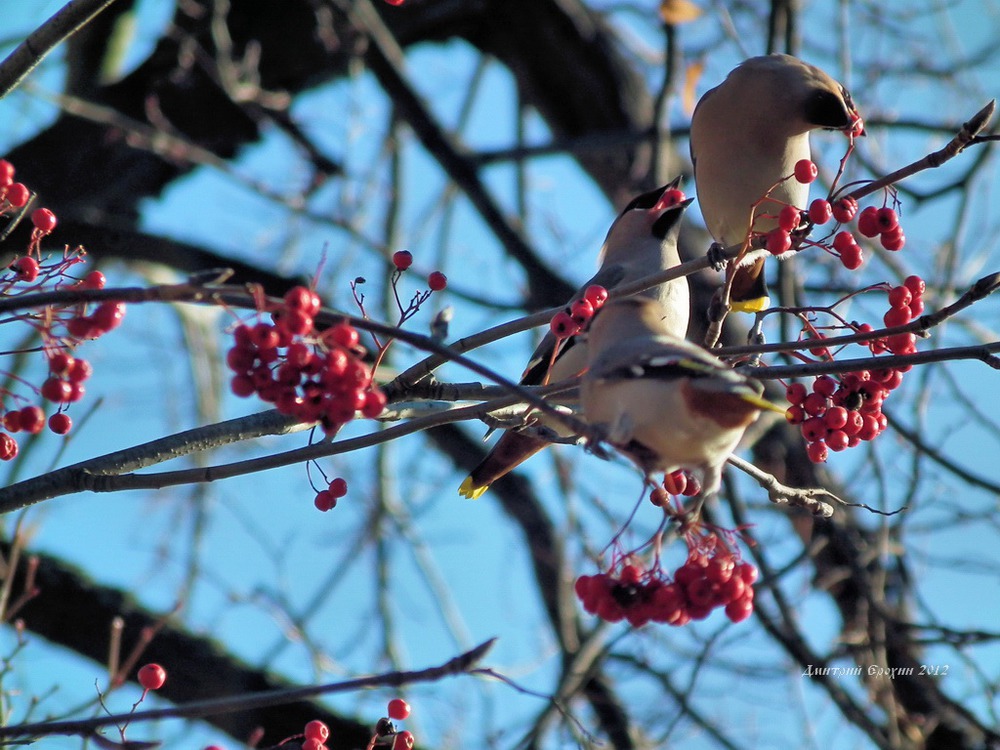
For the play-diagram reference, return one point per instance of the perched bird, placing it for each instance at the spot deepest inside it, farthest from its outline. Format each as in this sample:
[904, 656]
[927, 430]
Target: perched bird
[747, 134]
[666, 403]
[641, 241]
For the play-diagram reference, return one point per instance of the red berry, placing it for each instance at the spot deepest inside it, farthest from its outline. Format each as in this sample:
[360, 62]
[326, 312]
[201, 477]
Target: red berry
[916, 286]
[897, 316]
[596, 295]
[18, 195]
[789, 218]
[824, 385]
[868, 222]
[852, 257]
[820, 211]
[886, 220]
[6, 172]
[398, 709]
[902, 343]
[338, 487]
[303, 299]
[720, 569]
[675, 482]
[324, 501]
[374, 404]
[109, 315]
[93, 280]
[670, 197]
[845, 209]
[402, 259]
[60, 423]
[563, 325]
[900, 296]
[8, 447]
[345, 335]
[795, 414]
[778, 241]
[56, 390]
[795, 393]
[817, 452]
[814, 429]
[437, 281]
[32, 419]
[12, 421]
[805, 171]
[403, 740]
[152, 676]
[26, 268]
[739, 610]
[316, 730]
[835, 417]
[815, 404]
[836, 440]
[916, 308]
[581, 311]
[43, 219]
[843, 240]
[893, 240]
[395, 2]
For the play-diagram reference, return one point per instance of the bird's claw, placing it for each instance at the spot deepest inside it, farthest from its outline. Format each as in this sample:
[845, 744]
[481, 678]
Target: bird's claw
[716, 256]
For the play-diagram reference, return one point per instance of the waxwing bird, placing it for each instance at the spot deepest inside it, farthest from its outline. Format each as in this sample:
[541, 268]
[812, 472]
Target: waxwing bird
[747, 134]
[641, 241]
[664, 402]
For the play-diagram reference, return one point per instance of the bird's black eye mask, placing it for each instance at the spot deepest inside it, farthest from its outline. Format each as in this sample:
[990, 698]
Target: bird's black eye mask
[669, 218]
[826, 109]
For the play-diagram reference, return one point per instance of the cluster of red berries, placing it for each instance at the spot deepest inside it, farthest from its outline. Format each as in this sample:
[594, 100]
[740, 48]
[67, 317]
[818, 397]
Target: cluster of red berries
[152, 677]
[676, 483]
[577, 316]
[315, 376]
[403, 259]
[872, 222]
[61, 329]
[705, 581]
[884, 224]
[14, 196]
[842, 411]
[326, 499]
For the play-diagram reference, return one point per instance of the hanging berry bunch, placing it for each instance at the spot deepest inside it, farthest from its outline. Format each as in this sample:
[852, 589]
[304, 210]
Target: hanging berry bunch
[712, 576]
[61, 328]
[315, 376]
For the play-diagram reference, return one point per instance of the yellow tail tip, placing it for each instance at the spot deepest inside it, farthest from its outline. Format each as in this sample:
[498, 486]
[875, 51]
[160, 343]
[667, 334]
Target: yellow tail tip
[470, 491]
[750, 305]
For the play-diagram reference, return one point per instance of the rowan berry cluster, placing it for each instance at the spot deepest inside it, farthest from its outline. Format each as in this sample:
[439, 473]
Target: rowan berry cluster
[577, 316]
[678, 482]
[61, 329]
[326, 499]
[842, 411]
[872, 222]
[315, 376]
[711, 577]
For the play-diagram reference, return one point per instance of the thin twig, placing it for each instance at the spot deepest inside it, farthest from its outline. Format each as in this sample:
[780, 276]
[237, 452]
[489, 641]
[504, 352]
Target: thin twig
[71, 18]
[464, 663]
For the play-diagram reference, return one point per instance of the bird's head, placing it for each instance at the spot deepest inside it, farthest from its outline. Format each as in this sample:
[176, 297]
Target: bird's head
[654, 214]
